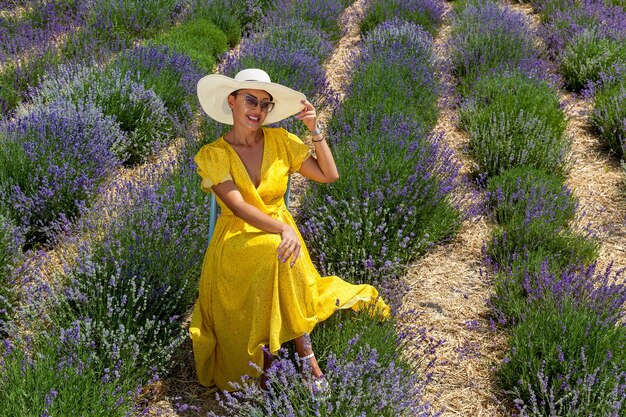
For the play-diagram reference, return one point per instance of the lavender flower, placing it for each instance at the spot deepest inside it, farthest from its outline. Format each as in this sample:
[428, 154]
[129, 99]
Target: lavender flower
[170, 74]
[360, 386]
[488, 38]
[609, 117]
[426, 13]
[139, 111]
[53, 160]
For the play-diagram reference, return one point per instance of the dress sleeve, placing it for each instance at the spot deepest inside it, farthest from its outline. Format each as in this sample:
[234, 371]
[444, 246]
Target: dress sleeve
[297, 151]
[213, 166]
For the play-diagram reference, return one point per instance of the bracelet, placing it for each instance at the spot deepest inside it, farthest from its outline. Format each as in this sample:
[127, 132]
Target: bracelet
[319, 140]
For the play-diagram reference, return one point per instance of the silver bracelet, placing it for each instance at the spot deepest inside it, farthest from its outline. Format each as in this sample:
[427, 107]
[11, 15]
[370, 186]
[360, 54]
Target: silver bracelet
[318, 130]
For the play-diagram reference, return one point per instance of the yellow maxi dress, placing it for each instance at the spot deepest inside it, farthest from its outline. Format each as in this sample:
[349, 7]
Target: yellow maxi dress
[248, 299]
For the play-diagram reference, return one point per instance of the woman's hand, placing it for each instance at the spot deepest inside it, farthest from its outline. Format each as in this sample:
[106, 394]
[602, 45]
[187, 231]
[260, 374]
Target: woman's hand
[289, 246]
[308, 115]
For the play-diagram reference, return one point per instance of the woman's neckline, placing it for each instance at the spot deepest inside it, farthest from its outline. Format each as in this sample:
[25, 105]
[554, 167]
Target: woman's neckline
[262, 168]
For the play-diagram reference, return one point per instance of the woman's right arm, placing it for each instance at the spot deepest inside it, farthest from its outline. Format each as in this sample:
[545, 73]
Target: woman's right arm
[290, 244]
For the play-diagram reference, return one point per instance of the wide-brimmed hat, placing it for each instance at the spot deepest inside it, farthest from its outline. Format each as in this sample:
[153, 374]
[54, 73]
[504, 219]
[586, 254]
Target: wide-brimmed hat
[213, 91]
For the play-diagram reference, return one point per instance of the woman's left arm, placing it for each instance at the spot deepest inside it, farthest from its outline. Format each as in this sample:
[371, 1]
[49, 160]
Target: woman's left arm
[322, 168]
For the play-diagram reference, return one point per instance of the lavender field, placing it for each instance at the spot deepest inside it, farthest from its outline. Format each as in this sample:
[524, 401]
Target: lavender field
[480, 145]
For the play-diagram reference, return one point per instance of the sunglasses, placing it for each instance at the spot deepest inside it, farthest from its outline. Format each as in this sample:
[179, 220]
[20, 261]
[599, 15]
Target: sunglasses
[252, 102]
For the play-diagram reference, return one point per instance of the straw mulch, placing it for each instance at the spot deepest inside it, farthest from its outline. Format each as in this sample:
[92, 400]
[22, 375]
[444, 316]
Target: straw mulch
[450, 291]
[597, 179]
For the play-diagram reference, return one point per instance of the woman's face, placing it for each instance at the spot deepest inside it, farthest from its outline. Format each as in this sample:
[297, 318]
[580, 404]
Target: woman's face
[250, 107]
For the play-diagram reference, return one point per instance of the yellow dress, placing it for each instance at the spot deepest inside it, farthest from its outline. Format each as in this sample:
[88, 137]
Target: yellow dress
[248, 299]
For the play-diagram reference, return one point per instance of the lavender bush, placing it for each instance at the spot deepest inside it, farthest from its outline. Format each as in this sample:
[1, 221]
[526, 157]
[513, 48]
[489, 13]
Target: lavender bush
[609, 117]
[52, 161]
[562, 341]
[15, 79]
[321, 14]
[56, 373]
[346, 331]
[591, 395]
[486, 38]
[170, 74]
[199, 39]
[426, 13]
[395, 71]
[390, 203]
[534, 210]
[564, 20]
[521, 255]
[138, 110]
[29, 44]
[228, 15]
[11, 241]
[39, 27]
[588, 57]
[515, 120]
[539, 238]
[133, 18]
[392, 199]
[360, 386]
[137, 283]
[519, 193]
[292, 34]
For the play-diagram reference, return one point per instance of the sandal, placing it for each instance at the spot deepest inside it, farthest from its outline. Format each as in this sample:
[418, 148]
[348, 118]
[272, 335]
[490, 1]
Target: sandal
[318, 386]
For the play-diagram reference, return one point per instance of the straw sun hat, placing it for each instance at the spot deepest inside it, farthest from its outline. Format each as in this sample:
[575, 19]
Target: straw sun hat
[213, 91]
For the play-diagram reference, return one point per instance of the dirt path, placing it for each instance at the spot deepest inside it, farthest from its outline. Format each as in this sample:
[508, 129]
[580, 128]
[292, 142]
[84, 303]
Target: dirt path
[448, 287]
[598, 181]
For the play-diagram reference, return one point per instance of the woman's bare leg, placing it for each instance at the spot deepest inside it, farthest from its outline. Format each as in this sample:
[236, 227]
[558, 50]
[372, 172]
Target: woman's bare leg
[268, 358]
[303, 348]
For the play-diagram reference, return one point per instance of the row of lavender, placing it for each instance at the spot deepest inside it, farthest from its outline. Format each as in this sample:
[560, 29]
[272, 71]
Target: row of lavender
[566, 347]
[81, 121]
[391, 203]
[588, 39]
[87, 339]
[37, 36]
[79, 125]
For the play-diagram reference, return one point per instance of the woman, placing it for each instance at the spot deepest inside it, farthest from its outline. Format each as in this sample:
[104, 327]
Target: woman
[259, 288]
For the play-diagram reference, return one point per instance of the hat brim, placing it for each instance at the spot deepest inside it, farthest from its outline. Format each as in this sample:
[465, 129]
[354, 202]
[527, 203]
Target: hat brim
[214, 89]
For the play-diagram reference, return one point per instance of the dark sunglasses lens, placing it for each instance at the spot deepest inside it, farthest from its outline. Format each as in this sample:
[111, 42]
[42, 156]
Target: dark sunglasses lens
[253, 102]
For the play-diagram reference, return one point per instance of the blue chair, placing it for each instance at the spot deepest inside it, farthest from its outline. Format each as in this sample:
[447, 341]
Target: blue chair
[215, 207]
